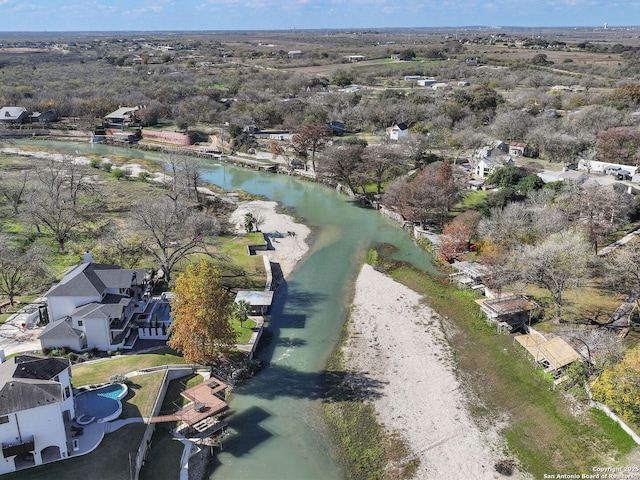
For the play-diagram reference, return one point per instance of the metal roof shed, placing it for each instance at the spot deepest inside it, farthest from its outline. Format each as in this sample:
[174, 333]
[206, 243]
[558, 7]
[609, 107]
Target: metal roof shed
[260, 301]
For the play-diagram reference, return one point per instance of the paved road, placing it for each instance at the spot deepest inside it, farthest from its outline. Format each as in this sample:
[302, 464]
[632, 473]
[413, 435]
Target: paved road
[19, 333]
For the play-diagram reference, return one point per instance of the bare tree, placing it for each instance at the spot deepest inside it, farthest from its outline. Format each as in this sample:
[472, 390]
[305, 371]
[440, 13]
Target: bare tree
[13, 187]
[428, 197]
[597, 209]
[120, 246]
[379, 161]
[623, 269]
[55, 199]
[172, 231]
[21, 269]
[557, 264]
[191, 173]
[311, 138]
[342, 164]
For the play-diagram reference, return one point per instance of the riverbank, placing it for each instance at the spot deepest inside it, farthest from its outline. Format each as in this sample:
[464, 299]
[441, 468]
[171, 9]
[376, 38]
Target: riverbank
[286, 236]
[399, 344]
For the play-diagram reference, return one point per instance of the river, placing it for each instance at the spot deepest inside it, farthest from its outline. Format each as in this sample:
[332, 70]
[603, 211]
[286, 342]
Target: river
[275, 424]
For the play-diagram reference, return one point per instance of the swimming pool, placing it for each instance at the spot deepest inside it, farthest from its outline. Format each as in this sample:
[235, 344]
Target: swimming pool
[101, 404]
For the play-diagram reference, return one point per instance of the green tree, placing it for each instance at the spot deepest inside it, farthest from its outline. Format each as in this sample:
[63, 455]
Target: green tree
[241, 311]
[249, 222]
[618, 387]
[507, 176]
[201, 308]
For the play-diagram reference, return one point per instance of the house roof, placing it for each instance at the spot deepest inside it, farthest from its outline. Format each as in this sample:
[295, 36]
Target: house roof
[123, 112]
[473, 269]
[110, 307]
[556, 351]
[399, 126]
[60, 329]
[255, 298]
[11, 113]
[509, 305]
[496, 161]
[37, 368]
[18, 395]
[27, 382]
[91, 279]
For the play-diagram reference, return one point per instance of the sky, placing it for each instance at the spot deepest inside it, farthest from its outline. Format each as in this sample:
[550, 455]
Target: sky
[189, 15]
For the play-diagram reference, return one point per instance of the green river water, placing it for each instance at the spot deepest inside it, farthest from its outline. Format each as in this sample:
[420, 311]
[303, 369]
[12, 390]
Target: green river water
[275, 424]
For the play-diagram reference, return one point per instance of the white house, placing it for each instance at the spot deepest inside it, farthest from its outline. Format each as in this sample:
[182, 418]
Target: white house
[487, 165]
[518, 149]
[36, 399]
[14, 115]
[493, 148]
[123, 116]
[397, 131]
[93, 307]
[426, 82]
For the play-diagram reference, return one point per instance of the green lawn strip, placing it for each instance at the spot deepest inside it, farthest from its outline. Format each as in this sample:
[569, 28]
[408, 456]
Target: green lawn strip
[101, 371]
[244, 332]
[542, 433]
[163, 460]
[240, 270]
[110, 461]
[142, 394]
[621, 441]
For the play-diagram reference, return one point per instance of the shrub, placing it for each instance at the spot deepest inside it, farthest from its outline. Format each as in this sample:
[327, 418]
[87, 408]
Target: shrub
[118, 173]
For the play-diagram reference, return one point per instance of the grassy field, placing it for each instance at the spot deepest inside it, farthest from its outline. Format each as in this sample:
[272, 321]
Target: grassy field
[542, 431]
[101, 371]
[109, 462]
[142, 394]
[239, 269]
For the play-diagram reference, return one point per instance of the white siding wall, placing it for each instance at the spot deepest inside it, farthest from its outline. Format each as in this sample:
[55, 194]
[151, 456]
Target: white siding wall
[60, 307]
[46, 426]
[97, 331]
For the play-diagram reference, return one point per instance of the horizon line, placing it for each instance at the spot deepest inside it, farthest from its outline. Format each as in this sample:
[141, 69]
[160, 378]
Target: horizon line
[603, 26]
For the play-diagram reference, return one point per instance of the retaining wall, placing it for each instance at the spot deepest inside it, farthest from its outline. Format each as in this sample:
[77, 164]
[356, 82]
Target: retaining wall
[174, 138]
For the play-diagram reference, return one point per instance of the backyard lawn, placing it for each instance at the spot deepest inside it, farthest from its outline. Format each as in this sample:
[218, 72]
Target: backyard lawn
[110, 461]
[102, 371]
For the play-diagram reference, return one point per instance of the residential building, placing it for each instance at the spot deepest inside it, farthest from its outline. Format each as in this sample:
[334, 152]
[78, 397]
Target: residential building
[518, 149]
[486, 165]
[14, 115]
[493, 148]
[397, 131]
[36, 398]
[123, 116]
[96, 306]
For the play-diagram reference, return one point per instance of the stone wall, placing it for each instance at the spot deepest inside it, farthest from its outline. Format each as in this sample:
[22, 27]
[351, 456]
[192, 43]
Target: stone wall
[174, 138]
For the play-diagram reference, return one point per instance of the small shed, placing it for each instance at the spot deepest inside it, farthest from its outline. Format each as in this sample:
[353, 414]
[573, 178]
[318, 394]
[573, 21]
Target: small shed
[397, 131]
[510, 313]
[554, 354]
[260, 300]
[470, 274]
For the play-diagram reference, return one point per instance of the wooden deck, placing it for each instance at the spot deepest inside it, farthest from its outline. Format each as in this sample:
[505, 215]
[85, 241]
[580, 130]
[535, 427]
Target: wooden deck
[203, 402]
